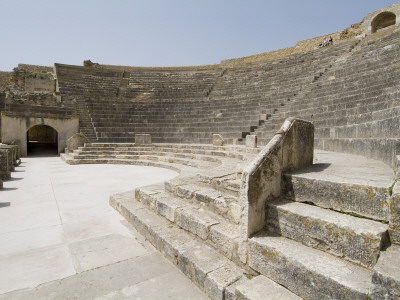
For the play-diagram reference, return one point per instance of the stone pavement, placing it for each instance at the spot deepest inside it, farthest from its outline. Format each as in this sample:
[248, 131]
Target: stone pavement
[60, 239]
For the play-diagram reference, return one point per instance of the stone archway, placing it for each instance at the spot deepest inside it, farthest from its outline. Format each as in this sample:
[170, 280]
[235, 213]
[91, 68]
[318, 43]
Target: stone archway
[15, 128]
[42, 140]
[383, 20]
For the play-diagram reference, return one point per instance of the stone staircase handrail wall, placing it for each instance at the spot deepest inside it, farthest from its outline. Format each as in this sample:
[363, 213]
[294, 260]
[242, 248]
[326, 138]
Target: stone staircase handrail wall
[291, 148]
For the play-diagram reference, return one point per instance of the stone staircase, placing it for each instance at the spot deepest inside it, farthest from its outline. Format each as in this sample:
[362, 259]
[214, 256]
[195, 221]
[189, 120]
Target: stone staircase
[325, 237]
[354, 105]
[325, 234]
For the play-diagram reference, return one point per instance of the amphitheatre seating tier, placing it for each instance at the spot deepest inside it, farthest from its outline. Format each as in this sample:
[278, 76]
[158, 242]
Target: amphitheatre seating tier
[202, 102]
[201, 207]
[355, 102]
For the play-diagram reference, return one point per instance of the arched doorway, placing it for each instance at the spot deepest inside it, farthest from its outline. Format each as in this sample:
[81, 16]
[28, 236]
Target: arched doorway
[383, 20]
[42, 140]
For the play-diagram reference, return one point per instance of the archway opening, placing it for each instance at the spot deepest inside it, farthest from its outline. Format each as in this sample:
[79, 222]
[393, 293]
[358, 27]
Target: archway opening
[42, 140]
[383, 20]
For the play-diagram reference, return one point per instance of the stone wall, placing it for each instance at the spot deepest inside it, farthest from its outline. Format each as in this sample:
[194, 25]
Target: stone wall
[35, 68]
[15, 128]
[366, 23]
[39, 84]
[5, 80]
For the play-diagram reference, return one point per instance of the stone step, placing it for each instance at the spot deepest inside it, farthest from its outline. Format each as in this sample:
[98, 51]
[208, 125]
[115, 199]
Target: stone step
[215, 274]
[215, 201]
[184, 153]
[174, 166]
[227, 183]
[110, 159]
[365, 200]
[355, 239]
[261, 287]
[386, 276]
[162, 156]
[307, 272]
[195, 218]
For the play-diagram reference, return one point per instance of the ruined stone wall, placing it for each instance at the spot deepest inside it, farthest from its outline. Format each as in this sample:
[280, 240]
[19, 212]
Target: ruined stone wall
[39, 84]
[35, 69]
[366, 24]
[5, 80]
[300, 47]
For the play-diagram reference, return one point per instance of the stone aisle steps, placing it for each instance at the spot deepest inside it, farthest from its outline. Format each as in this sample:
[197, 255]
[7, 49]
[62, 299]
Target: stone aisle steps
[368, 200]
[216, 201]
[193, 217]
[215, 274]
[355, 239]
[309, 273]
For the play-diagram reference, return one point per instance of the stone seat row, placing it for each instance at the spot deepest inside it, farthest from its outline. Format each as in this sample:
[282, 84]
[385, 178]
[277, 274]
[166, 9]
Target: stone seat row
[192, 137]
[354, 112]
[367, 133]
[204, 205]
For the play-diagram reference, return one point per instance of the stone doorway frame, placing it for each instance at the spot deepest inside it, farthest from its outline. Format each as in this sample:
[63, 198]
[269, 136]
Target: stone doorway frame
[14, 128]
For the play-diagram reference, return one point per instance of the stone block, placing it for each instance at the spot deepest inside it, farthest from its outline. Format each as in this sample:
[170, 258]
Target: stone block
[230, 291]
[251, 141]
[197, 262]
[143, 139]
[309, 273]
[194, 221]
[166, 206]
[260, 286]
[386, 276]
[356, 239]
[76, 141]
[225, 238]
[5, 172]
[218, 280]
[394, 219]
[218, 140]
[368, 201]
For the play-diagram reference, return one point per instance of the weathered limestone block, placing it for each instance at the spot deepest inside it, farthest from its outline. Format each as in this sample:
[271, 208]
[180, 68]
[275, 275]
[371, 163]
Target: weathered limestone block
[76, 141]
[217, 281]
[197, 262]
[166, 207]
[251, 141]
[13, 155]
[218, 140]
[358, 240]
[225, 237]
[194, 221]
[259, 287]
[372, 202]
[143, 139]
[386, 276]
[309, 273]
[394, 220]
[5, 172]
[230, 291]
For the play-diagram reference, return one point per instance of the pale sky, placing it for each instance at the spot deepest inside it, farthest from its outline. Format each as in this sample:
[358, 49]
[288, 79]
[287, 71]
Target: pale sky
[164, 32]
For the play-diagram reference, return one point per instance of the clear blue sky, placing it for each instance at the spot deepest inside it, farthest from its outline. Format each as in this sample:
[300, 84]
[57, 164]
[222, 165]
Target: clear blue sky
[164, 32]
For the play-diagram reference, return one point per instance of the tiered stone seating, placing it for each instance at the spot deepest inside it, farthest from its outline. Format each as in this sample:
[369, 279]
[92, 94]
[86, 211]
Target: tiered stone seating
[188, 106]
[322, 239]
[355, 104]
[333, 231]
[265, 89]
